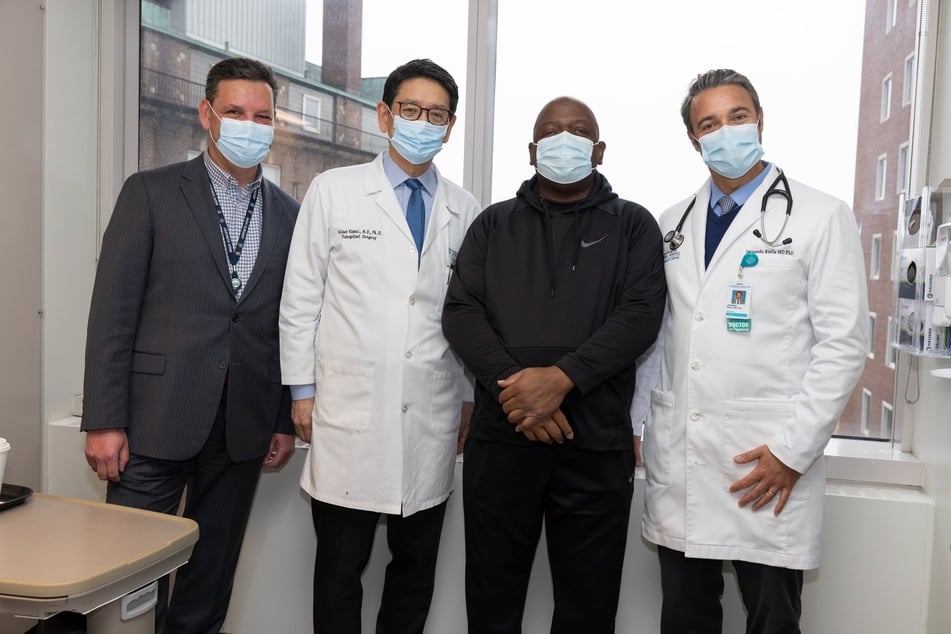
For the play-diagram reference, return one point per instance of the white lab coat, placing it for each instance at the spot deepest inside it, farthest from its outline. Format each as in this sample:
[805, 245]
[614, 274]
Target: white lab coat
[389, 390]
[783, 384]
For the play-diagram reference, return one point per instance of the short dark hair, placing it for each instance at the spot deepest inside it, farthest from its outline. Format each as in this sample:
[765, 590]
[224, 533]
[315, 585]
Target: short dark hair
[427, 69]
[238, 68]
[714, 79]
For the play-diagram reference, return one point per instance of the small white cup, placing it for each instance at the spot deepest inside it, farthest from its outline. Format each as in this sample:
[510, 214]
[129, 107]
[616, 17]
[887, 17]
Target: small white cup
[4, 450]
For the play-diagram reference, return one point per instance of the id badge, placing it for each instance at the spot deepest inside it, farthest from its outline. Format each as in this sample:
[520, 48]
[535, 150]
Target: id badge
[738, 308]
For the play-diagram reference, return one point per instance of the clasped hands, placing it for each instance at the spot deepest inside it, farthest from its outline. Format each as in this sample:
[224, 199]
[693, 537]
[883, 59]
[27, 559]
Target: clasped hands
[531, 398]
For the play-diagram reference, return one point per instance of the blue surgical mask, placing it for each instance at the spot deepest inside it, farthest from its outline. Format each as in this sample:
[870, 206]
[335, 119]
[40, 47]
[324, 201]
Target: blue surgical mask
[564, 158]
[732, 150]
[417, 141]
[243, 143]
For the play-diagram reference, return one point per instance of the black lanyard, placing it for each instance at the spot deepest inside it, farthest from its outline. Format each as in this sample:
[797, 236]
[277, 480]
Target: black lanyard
[234, 250]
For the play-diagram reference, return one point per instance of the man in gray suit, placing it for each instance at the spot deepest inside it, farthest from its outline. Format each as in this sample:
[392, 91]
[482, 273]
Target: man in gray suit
[183, 378]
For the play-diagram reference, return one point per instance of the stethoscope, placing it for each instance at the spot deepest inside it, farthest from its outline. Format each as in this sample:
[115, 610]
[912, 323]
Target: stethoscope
[675, 237]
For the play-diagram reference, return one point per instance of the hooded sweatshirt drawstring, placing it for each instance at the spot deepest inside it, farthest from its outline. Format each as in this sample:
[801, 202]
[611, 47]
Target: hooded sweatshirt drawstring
[600, 193]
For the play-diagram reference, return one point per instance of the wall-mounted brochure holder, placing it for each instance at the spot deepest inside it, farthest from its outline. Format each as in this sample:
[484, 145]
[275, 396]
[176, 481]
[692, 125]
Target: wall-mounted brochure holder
[923, 288]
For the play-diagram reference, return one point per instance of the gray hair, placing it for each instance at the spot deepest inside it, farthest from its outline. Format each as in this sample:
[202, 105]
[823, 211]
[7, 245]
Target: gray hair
[714, 79]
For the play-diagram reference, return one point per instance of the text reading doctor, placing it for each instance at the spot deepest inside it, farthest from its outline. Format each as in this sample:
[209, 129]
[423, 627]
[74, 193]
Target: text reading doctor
[750, 391]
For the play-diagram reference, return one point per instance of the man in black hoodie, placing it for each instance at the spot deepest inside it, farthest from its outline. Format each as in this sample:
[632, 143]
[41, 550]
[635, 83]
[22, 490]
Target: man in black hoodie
[555, 294]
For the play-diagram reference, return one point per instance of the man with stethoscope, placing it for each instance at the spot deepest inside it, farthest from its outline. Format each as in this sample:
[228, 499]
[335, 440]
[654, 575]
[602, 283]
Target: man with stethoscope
[764, 341]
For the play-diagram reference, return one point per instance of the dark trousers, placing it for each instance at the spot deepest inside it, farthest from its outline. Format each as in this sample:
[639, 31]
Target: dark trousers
[344, 541]
[584, 499]
[692, 589]
[219, 495]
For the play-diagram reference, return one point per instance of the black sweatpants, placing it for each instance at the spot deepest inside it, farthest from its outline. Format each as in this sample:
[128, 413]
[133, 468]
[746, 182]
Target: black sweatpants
[584, 498]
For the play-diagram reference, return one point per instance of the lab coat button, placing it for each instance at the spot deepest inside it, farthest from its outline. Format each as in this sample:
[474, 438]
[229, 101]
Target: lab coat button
[695, 415]
[412, 301]
[409, 355]
[699, 316]
[405, 407]
[695, 365]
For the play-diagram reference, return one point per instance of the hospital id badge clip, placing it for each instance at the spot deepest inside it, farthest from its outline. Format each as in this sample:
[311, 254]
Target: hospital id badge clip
[739, 301]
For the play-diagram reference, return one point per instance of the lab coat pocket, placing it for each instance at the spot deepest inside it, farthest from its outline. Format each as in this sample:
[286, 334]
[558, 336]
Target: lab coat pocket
[658, 431]
[344, 395]
[447, 401]
[749, 423]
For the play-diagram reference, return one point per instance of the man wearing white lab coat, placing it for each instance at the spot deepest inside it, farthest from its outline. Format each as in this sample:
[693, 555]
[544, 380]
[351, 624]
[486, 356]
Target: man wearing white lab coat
[750, 391]
[389, 392]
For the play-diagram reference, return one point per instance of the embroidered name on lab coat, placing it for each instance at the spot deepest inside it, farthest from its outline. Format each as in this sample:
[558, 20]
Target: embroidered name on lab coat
[359, 234]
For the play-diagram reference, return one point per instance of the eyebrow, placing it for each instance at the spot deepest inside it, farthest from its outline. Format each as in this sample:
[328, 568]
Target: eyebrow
[733, 111]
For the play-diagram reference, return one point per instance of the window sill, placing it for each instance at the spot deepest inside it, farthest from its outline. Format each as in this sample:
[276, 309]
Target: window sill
[872, 462]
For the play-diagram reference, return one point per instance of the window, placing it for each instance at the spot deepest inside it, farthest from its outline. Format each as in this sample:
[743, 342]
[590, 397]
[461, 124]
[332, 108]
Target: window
[889, 348]
[886, 430]
[327, 91]
[880, 177]
[866, 408]
[908, 81]
[886, 98]
[311, 111]
[874, 265]
[891, 15]
[902, 168]
[872, 319]
[336, 123]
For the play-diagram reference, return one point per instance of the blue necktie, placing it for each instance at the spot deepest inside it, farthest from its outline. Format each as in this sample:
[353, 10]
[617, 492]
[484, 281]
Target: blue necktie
[416, 213]
[727, 205]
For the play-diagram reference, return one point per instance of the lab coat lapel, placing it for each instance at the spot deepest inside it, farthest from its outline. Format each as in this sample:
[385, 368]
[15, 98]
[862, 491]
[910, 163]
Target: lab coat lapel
[439, 217]
[197, 191]
[378, 187]
[746, 218]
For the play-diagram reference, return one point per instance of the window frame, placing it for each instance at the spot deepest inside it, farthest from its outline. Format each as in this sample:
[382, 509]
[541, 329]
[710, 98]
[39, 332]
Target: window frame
[908, 81]
[901, 171]
[875, 257]
[885, 112]
[881, 176]
[478, 149]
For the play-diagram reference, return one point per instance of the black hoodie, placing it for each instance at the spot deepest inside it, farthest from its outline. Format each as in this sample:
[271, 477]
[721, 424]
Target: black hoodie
[580, 286]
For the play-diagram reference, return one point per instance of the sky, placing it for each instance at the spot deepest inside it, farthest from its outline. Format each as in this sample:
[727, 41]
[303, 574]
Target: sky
[631, 62]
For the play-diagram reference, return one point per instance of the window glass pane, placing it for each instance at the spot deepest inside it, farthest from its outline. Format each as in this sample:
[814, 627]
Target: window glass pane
[886, 97]
[875, 205]
[880, 173]
[621, 59]
[608, 57]
[908, 84]
[903, 168]
[328, 90]
[876, 257]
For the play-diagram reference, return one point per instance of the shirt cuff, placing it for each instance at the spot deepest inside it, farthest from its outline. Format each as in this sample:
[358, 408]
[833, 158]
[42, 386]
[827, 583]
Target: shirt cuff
[300, 392]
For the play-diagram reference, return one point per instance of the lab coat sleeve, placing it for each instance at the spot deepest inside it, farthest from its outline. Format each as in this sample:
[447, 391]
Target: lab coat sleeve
[838, 311]
[632, 326]
[116, 302]
[465, 321]
[647, 376]
[303, 295]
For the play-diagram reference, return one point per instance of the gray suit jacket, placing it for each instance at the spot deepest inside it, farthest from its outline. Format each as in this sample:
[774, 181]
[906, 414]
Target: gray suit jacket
[164, 327]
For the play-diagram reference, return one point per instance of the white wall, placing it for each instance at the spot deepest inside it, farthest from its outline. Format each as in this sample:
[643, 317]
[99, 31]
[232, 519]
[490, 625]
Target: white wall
[21, 176]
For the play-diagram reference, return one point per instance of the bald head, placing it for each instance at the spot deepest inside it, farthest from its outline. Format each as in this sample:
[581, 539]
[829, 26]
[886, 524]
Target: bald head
[566, 113]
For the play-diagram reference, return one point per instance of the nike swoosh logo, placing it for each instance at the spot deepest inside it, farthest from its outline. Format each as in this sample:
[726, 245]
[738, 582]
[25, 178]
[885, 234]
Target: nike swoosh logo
[585, 245]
